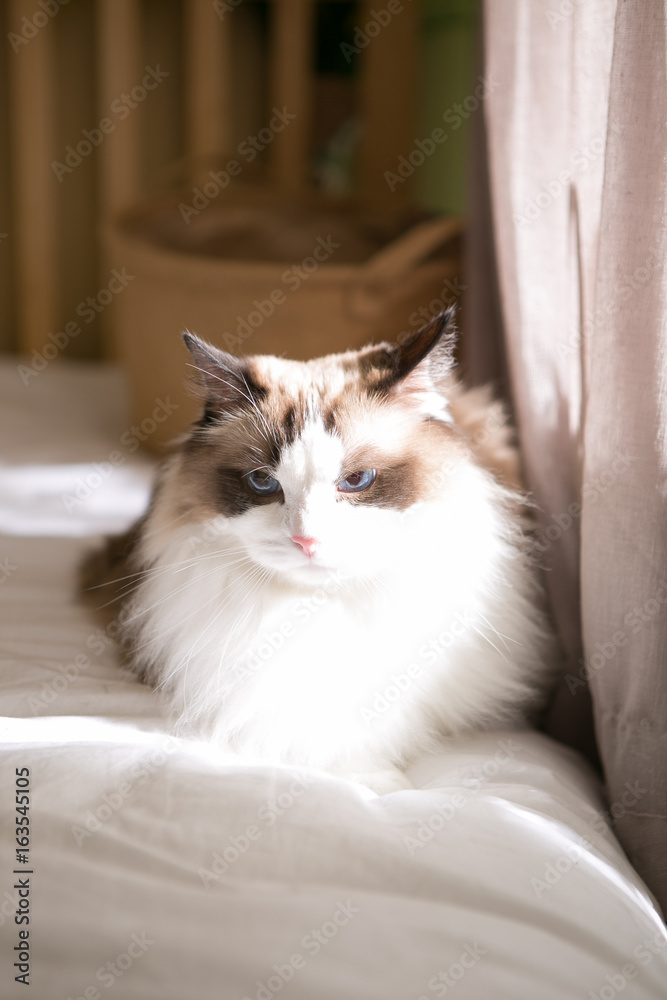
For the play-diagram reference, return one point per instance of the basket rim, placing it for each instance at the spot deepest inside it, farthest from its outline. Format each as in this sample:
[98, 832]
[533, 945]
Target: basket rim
[122, 233]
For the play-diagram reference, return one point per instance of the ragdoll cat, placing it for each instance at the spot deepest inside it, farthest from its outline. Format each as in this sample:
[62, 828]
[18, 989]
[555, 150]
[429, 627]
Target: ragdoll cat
[334, 568]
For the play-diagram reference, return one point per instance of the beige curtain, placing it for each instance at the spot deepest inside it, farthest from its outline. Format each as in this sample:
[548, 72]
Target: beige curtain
[568, 268]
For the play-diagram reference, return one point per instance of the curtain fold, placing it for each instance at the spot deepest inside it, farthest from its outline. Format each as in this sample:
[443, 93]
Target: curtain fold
[568, 257]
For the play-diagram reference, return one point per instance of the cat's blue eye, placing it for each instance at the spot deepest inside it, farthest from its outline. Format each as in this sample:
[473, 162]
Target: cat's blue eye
[262, 483]
[358, 481]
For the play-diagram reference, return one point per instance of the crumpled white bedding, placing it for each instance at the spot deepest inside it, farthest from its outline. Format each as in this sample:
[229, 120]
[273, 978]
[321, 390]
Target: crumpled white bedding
[158, 868]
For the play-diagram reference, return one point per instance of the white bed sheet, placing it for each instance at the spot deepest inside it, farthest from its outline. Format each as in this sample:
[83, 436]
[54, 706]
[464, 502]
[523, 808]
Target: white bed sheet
[161, 869]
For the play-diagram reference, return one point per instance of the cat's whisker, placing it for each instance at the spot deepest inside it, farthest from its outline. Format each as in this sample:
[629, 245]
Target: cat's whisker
[151, 532]
[154, 572]
[177, 626]
[255, 583]
[188, 583]
[196, 558]
[231, 385]
[381, 585]
[249, 576]
[505, 638]
[182, 565]
[110, 583]
[486, 638]
[270, 430]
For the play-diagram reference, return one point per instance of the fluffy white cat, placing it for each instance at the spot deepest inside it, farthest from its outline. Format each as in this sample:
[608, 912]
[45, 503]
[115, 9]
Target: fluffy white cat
[334, 569]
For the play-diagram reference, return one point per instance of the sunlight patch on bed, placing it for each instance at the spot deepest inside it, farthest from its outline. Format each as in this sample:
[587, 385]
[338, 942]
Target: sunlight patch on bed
[72, 500]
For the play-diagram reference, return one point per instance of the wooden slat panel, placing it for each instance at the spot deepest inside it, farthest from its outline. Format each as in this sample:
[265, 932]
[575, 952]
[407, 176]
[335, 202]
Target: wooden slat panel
[208, 81]
[78, 257]
[388, 98]
[291, 87]
[32, 78]
[249, 72]
[163, 117]
[120, 69]
[8, 331]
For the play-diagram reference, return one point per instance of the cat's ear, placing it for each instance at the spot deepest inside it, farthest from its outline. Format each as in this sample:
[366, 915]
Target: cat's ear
[420, 360]
[223, 380]
[433, 343]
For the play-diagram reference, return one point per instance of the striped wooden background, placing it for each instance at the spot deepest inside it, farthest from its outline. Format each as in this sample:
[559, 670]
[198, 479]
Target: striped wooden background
[62, 70]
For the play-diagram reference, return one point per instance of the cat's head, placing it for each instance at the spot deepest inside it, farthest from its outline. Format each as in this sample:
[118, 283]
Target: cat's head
[318, 465]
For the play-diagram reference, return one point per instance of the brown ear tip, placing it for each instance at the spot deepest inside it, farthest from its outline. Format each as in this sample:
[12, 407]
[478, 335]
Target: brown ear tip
[446, 318]
[200, 349]
[446, 332]
[190, 339]
[441, 329]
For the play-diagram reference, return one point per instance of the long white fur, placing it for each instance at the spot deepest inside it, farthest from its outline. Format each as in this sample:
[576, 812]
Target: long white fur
[404, 627]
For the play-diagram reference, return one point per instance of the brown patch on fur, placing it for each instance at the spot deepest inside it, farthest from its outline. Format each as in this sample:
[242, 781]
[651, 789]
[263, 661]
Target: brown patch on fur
[377, 365]
[224, 382]
[350, 393]
[396, 487]
[329, 419]
[107, 576]
[214, 467]
[285, 414]
[410, 467]
[488, 433]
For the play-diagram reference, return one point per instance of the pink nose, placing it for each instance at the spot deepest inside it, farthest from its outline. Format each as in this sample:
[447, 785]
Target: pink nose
[307, 544]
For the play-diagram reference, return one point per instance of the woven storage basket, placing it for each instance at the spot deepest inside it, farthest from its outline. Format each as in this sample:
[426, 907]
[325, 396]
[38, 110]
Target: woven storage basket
[303, 298]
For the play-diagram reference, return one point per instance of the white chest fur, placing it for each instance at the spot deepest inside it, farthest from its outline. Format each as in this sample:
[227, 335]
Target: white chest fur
[348, 674]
